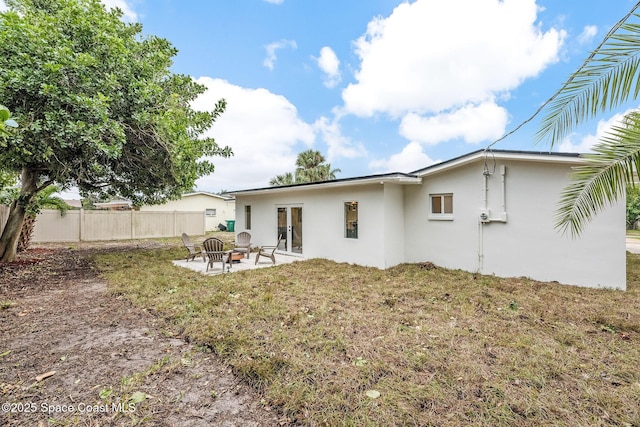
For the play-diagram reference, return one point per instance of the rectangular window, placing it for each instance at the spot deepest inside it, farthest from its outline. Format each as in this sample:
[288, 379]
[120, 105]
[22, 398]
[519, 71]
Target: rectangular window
[351, 220]
[247, 217]
[441, 206]
[210, 212]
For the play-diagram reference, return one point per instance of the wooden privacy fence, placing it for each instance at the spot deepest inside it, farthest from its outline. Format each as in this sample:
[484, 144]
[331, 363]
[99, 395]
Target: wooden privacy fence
[92, 225]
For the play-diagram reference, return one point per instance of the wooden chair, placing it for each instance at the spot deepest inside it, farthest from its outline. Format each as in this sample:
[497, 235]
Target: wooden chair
[243, 243]
[214, 249]
[192, 250]
[268, 251]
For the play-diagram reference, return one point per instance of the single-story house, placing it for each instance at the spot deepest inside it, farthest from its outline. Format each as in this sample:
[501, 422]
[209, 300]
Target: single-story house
[217, 209]
[491, 212]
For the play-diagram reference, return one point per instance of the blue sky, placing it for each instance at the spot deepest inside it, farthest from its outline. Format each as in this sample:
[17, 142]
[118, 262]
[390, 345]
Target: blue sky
[374, 85]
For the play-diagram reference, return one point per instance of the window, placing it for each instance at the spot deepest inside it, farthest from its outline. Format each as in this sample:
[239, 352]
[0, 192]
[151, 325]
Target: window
[210, 212]
[441, 206]
[247, 217]
[351, 220]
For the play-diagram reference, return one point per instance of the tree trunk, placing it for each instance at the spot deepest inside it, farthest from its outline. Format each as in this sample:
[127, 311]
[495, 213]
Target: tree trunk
[11, 232]
[26, 233]
[17, 212]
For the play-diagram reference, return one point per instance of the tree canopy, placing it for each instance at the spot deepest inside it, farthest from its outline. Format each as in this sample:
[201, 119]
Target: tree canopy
[98, 107]
[310, 167]
[6, 121]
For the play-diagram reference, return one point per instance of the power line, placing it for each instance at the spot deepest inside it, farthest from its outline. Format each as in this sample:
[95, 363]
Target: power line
[564, 86]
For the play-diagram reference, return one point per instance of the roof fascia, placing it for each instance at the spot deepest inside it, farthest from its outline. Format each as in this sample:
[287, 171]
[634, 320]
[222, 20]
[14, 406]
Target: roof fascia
[204, 193]
[402, 179]
[527, 156]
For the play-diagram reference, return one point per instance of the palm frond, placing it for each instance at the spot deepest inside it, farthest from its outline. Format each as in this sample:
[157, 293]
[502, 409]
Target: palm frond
[602, 180]
[608, 78]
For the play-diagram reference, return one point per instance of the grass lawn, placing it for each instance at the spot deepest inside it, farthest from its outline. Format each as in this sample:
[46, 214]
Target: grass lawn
[336, 344]
[635, 234]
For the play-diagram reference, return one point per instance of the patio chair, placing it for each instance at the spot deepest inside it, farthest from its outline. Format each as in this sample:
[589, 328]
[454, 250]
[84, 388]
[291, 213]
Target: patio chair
[192, 250]
[268, 251]
[243, 243]
[214, 249]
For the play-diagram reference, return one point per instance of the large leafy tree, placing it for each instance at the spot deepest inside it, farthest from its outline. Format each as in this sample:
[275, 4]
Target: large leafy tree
[311, 166]
[6, 121]
[608, 78]
[98, 108]
[7, 178]
[633, 205]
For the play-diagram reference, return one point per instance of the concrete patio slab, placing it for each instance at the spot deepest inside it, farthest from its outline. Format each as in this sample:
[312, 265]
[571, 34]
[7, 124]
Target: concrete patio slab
[244, 265]
[633, 245]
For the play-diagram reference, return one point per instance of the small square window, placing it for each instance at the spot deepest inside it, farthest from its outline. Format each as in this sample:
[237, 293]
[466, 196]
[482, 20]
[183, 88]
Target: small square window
[441, 206]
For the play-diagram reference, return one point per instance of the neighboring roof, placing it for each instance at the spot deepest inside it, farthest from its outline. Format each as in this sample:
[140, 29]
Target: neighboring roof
[204, 193]
[74, 203]
[113, 203]
[415, 177]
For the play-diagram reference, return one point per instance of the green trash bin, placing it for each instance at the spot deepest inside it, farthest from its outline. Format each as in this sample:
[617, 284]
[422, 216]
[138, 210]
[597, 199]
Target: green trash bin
[231, 225]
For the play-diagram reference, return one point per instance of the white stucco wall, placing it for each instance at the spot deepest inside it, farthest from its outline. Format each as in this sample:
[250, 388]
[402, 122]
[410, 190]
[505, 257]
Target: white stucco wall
[323, 223]
[527, 244]
[395, 225]
[225, 209]
[448, 243]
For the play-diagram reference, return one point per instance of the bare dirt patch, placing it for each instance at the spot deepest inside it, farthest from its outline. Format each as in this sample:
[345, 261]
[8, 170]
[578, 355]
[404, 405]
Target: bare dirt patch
[114, 364]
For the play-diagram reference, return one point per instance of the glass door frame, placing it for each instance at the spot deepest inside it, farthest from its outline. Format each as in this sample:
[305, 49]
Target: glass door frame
[289, 224]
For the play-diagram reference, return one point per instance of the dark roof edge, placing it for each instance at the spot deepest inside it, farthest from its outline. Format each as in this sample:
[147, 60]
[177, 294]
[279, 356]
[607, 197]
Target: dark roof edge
[308, 184]
[413, 174]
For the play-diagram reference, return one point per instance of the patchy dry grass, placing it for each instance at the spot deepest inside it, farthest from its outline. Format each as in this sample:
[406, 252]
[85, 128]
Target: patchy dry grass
[337, 344]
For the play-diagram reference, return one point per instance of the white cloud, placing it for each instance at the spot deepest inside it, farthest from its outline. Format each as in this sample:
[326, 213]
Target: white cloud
[330, 66]
[416, 61]
[588, 33]
[411, 158]
[128, 13]
[585, 143]
[444, 82]
[261, 127]
[271, 48]
[472, 123]
[338, 144]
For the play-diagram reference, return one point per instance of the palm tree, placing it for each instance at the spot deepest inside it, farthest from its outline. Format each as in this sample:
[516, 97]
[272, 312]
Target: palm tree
[44, 200]
[310, 167]
[608, 78]
[286, 179]
[307, 165]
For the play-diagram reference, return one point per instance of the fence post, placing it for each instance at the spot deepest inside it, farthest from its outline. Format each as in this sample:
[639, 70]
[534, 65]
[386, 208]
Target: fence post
[81, 226]
[133, 232]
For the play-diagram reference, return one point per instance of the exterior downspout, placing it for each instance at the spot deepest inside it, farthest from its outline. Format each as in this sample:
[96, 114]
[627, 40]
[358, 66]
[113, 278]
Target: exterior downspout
[503, 173]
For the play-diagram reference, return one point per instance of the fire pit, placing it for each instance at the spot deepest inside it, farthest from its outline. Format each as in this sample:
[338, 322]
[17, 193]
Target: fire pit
[237, 256]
